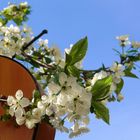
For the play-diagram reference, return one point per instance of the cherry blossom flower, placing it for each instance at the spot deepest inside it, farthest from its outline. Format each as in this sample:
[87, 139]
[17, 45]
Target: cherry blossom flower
[124, 40]
[100, 75]
[43, 42]
[17, 104]
[135, 44]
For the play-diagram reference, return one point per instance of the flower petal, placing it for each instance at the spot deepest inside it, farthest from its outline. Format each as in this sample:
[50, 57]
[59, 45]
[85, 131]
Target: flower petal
[20, 121]
[29, 123]
[11, 100]
[62, 78]
[19, 94]
[40, 105]
[53, 88]
[24, 102]
[11, 111]
[19, 112]
[36, 112]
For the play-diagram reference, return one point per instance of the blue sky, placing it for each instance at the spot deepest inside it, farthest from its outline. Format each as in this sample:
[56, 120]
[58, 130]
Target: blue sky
[100, 20]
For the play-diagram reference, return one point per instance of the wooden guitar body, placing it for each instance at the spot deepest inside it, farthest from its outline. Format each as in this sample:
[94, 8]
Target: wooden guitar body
[14, 76]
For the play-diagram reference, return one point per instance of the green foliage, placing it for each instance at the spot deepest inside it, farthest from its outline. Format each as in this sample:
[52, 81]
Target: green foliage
[73, 71]
[128, 73]
[111, 98]
[33, 62]
[135, 58]
[19, 57]
[3, 20]
[16, 13]
[101, 111]
[101, 88]
[5, 117]
[77, 52]
[132, 51]
[118, 53]
[36, 95]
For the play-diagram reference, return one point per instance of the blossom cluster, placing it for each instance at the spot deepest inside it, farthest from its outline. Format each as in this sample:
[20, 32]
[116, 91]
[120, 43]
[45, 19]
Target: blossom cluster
[12, 39]
[124, 41]
[66, 101]
[17, 13]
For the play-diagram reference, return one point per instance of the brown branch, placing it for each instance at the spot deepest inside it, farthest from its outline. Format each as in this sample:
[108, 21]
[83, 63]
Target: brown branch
[37, 61]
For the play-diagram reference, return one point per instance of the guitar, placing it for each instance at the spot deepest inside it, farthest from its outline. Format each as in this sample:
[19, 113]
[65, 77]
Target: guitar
[14, 76]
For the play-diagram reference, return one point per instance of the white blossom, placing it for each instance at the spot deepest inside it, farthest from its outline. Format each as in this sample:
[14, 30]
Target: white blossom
[118, 70]
[70, 99]
[36, 112]
[27, 29]
[12, 39]
[85, 120]
[17, 104]
[44, 106]
[124, 40]
[58, 124]
[80, 131]
[43, 42]
[120, 97]
[123, 37]
[55, 51]
[24, 4]
[30, 123]
[20, 120]
[116, 67]
[135, 44]
[100, 75]
[13, 29]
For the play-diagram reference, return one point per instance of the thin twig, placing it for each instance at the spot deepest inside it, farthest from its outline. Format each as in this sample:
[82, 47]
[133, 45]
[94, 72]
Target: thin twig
[36, 61]
[3, 100]
[34, 39]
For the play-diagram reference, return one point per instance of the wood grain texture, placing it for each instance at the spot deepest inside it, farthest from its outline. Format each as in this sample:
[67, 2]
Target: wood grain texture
[14, 76]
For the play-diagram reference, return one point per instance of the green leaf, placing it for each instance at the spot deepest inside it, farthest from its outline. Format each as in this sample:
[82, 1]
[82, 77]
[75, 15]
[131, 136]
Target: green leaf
[3, 21]
[101, 88]
[68, 59]
[134, 58]
[101, 111]
[73, 71]
[5, 117]
[132, 51]
[77, 52]
[20, 58]
[18, 21]
[128, 73]
[119, 87]
[36, 94]
[33, 62]
[117, 51]
[48, 60]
